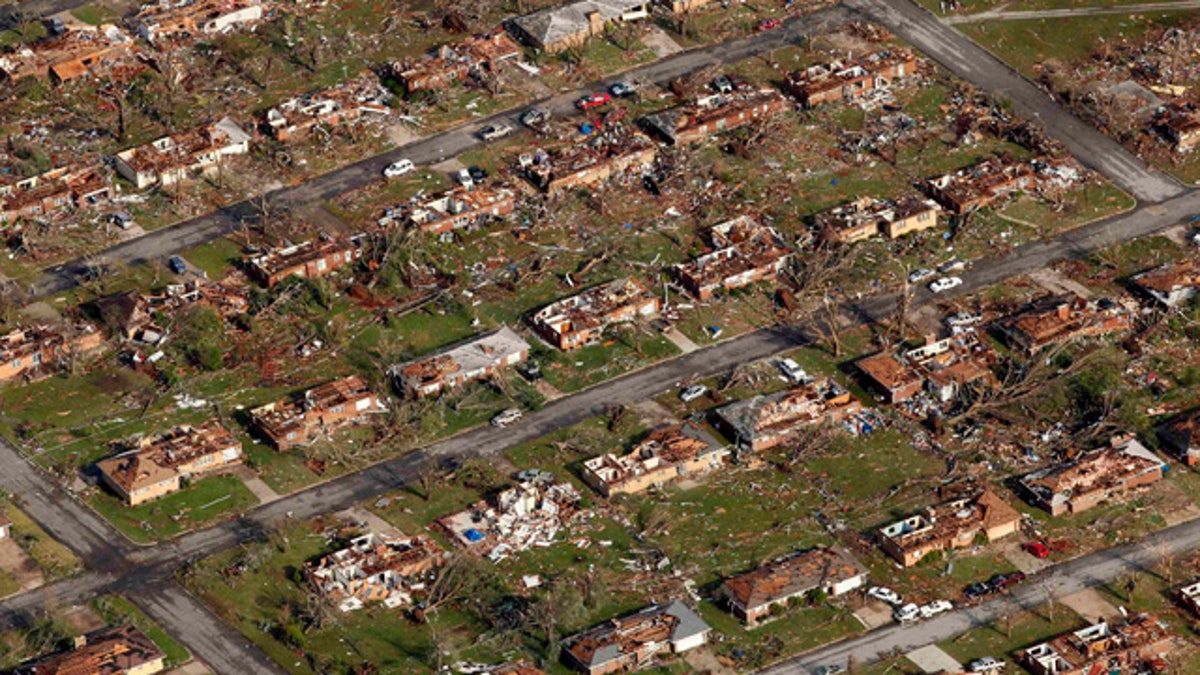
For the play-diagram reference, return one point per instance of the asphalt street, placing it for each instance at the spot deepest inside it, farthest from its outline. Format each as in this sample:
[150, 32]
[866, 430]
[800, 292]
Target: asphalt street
[1068, 13]
[160, 244]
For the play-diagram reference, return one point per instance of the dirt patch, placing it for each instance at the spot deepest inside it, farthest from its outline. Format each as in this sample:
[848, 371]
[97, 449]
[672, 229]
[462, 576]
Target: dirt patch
[15, 561]
[1055, 282]
[653, 413]
[401, 134]
[40, 312]
[1090, 605]
[932, 659]
[372, 522]
[703, 661]
[1015, 554]
[874, 614]
[82, 619]
[660, 43]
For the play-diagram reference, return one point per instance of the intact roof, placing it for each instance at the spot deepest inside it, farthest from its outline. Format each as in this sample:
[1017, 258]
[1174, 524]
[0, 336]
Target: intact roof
[791, 575]
[475, 353]
[553, 24]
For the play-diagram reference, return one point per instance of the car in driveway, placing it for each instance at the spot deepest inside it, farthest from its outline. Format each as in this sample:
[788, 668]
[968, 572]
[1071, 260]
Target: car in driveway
[477, 173]
[769, 24]
[977, 590]
[793, 372]
[907, 613]
[507, 417]
[494, 132]
[963, 319]
[985, 664]
[999, 582]
[399, 168]
[622, 89]
[593, 101]
[885, 594]
[917, 276]
[833, 669]
[176, 264]
[692, 393]
[1037, 549]
[952, 265]
[535, 117]
[930, 610]
[945, 284]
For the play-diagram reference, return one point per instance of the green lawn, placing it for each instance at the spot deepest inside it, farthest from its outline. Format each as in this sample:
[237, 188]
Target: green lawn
[206, 500]
[116, 610]
[8, 584]
[56, 560]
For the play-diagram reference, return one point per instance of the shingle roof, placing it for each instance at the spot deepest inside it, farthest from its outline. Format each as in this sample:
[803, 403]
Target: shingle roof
[553, 24]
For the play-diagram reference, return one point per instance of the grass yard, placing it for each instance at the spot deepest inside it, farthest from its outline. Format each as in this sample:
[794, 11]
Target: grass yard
[56, 560]
[116, 610]
[205, 501]
[1008, 635]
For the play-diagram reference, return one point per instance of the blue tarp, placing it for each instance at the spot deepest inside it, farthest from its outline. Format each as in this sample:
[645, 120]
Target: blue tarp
[473, 535]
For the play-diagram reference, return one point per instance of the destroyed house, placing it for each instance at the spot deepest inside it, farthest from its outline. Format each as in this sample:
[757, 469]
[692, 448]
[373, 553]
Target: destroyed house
[980, 184]
[745, 252]
[308, 259]
[57, 190]
[832, 571]
[454, 62]
[459, 208]
[581, 319]
[708, 115]
[632, 642]
[1190, 597]
[158, 465]
[521, 667]
[1061, 318]
[173, 159]
[1139, 644]
[322, 411]
[135, 315]
[943, 367]
[668, 453]
[375, 568]
[1180, 125]
[1083, 482]
[27, 352]
[765, 421]
[79, 51]
[838, 81]
[169, 20]
[530, 513]
[865, 217]
[1181, 437]
[296, 117]
[608, 154]
[947, 526]
[563, 27]
[118, 650]
[1171, 285]
[477, 358]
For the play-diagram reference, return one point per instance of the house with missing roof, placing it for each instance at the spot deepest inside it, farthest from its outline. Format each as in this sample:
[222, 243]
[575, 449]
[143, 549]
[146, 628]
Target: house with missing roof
[563, 27]
[947, 526]
[322, 411]
[159, 465]
[668, 453]
[1083, 482]
[752, 596]
[1180, 436]
[633, 642]
[119, 650]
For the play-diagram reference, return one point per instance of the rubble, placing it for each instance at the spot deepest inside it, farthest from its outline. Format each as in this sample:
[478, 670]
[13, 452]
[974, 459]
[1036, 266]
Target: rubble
[853, 81]
[376, 568]
[477, 358]
[453, 209]
[157, 465]
[1061, 318]
[138, 317]
[745, 252]
[632, 642]
[951, 525]
[531, 513]
[708, 115]
[1138, 644]
[1170, 285]
[667, 453]
[752, 595]
[308, 259]
[322, 411]
[29, 352]
[581, 319]
[1080, 484]
[452, 63]
[179, 20]
[81, 50]
[1179, 437]
[344, 103]
[173, 159]
[989, 181]
[1190, 597]
[610, 152]
[942, 367]
[68, 187]
[108, 651]
[765, 421]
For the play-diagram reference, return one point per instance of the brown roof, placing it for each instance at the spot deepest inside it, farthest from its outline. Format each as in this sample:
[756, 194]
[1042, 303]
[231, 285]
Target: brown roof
[791, 575]
[109, 651]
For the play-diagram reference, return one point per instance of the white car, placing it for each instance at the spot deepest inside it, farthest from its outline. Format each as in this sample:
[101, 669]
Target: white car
[909, 612]
[934, 608]
[463, 176]
[920, 275]
[692, 393]
[495, 131]
[963, 319]
[792, 371]
[952, 265]
[399, 168]
[885, 594]
[506, 417]
[986, 664]
[945, 284]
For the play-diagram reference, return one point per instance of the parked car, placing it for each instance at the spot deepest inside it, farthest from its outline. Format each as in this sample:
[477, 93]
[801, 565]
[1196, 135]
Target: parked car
[934, 608]
[495, 131]
[917, 276]
[1000, 582]
[535, 117]
[722, 84]
[478, 174]
[885, 594]
[622, 89]
[963, 319]
[977, 590]
[952, 265]
[909, 612]
[769, 24]
[463, 176]
[176, 264]
[532, 371]
[506, 417]
[399, 168]
[945, 284]
[793, 372]
[829, 670]
[593, 101]
[986, 664]
[692, 393]
[1037, 549]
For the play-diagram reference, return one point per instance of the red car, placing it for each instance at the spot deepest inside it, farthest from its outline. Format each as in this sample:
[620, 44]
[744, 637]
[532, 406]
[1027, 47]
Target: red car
[769, 24]
[593, 101]
[1037, 549]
